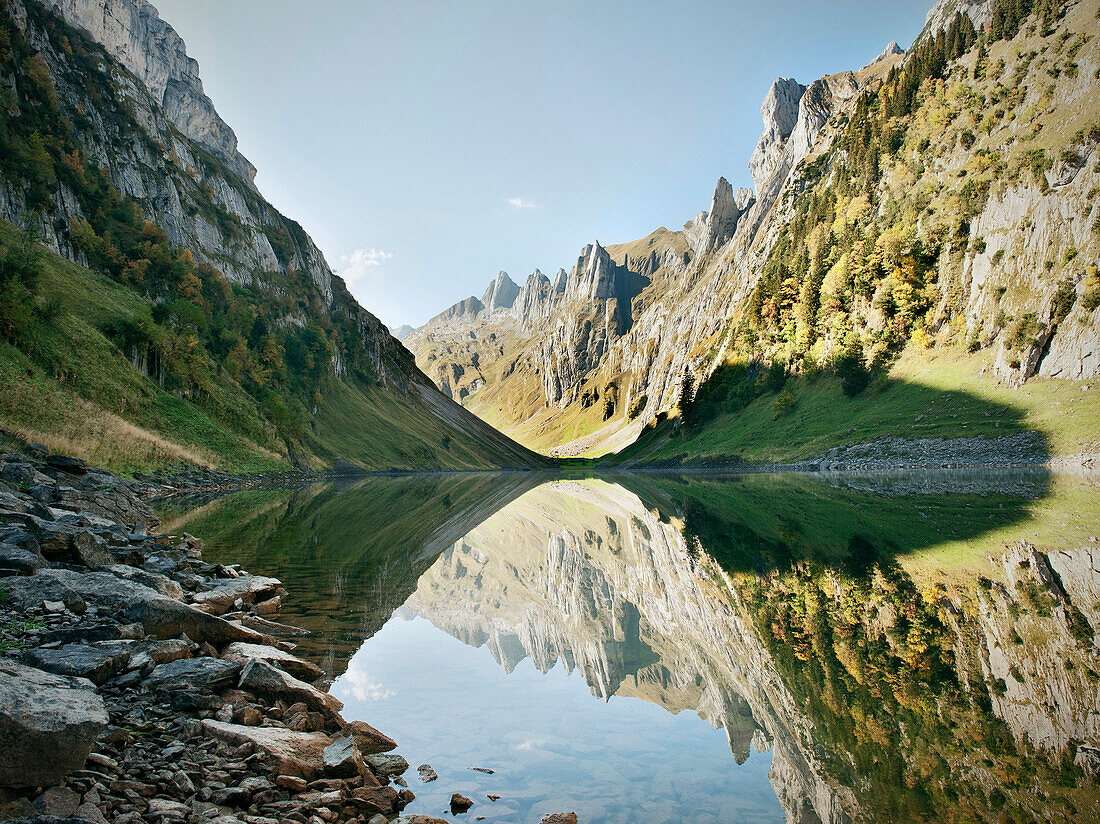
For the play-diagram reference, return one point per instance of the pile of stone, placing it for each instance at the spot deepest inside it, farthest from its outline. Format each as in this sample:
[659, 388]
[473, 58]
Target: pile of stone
[139, 683]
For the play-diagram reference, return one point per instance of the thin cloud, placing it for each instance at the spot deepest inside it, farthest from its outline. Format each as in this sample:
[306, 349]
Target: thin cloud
[520, 203]
[357, 266]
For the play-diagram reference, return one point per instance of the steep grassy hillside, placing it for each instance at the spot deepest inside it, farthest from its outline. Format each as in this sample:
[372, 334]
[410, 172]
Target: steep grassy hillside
[65, 382]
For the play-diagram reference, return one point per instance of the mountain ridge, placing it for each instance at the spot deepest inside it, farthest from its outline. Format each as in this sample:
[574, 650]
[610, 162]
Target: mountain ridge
[694, 301]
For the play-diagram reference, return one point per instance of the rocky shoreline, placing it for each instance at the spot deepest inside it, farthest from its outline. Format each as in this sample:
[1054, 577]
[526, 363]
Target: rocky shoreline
[140, 683]
[1023, 449]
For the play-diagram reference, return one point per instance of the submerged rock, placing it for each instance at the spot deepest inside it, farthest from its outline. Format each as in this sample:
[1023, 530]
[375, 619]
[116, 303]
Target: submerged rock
[460, 803]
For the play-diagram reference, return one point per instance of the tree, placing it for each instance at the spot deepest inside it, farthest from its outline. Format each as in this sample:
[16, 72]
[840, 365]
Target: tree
[686, 401]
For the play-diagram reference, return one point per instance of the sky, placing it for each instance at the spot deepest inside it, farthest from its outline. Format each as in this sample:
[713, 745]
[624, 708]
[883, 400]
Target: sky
[427, 144]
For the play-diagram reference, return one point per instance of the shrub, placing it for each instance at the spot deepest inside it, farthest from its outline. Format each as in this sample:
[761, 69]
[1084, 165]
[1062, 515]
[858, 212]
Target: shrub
[1064, 298]
[783, 403]
[20, 268]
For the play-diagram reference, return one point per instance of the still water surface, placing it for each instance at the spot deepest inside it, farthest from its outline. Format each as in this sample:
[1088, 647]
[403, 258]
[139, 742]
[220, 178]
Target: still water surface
[889, 646]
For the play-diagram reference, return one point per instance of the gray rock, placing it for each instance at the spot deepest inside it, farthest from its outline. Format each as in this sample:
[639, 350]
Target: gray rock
[95, 663]
[243, 653]
[48, 724]
[61, 802]
[222, 595]
[387, 763]
[193, 674]
[67, 463]
[16, 560]
[161, 583]
[342, 759]
[161, 616]
[262, 678]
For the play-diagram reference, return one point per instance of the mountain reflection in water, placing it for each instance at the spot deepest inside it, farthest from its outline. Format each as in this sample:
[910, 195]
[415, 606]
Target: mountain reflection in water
[886, 646]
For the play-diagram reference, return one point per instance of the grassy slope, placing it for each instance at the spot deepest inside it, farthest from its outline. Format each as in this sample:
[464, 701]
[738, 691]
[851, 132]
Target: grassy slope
[937, 393]
[69, 387]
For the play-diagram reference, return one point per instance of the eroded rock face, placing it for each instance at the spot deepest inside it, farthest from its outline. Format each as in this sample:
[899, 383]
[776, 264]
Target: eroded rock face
[779, 111]
[501, 293]
[132, 31]
[48, 724]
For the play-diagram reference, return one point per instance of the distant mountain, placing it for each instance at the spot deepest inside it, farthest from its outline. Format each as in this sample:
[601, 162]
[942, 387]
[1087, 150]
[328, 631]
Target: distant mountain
[224, 335]
[943, 196]
[401, 332]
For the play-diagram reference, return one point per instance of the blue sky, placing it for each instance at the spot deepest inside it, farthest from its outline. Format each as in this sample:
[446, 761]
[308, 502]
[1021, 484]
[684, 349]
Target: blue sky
[427, 145]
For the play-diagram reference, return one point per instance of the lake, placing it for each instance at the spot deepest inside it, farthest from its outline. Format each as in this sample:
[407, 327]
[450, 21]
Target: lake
[885, 646]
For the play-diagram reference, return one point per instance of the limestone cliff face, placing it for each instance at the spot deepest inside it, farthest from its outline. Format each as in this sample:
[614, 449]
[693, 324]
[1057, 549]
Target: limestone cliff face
[582, 573]
[1050, 697]
[133, 33]
[178, 160]
[148, 126]
[501, 293]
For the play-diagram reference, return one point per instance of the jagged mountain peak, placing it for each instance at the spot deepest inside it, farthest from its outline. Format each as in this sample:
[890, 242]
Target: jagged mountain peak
[501, 293]
[892, 49]
[779, 111]
[711, 229]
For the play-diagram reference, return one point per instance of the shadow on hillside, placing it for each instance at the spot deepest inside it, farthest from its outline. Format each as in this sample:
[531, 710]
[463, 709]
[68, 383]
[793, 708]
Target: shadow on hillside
[750, 414]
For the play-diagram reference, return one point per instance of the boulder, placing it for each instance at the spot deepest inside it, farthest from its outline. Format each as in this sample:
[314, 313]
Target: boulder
[373, 800]
[460, 803]
[48, 724]
[559, 818]
[242, 653]
[97, 664]
[387, 764]
[221, 596]
[342, 759]
[161, 583]
[161, 616]
[263, 678]
[193, 675]
[369, 740]
[299, 754]
[418, 819]
[67, 463]
[15, 560]
[60, 802]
